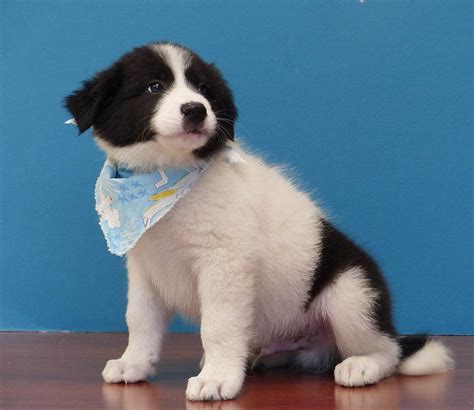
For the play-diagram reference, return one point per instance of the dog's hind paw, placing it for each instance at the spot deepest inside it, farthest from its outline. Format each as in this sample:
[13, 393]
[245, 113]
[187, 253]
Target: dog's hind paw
[357, 371]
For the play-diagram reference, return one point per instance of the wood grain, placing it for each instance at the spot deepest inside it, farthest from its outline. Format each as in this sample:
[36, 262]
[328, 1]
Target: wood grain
[62, 371]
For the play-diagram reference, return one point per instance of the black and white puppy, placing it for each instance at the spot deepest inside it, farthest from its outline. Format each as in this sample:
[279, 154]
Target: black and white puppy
[245, 253]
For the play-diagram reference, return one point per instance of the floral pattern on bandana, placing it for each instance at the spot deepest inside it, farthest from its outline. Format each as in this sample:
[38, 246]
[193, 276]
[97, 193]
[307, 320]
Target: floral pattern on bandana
[128, 204]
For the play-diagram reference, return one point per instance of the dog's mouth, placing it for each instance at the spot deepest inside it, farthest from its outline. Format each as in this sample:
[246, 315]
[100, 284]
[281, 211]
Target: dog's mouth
[189, 133]
[194, 135]
[197, 130]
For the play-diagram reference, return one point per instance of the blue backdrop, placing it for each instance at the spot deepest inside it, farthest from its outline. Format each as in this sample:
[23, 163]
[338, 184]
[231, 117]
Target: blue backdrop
[371, 101]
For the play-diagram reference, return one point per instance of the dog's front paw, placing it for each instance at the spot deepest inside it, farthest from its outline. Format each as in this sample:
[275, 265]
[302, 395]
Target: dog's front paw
[212, 388]
[121, 370]
[357, 371]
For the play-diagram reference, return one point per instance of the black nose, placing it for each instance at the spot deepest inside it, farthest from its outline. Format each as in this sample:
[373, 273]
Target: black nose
[194, 111]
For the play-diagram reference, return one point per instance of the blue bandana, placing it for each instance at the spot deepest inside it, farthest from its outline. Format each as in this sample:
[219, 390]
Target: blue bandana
[128, 204]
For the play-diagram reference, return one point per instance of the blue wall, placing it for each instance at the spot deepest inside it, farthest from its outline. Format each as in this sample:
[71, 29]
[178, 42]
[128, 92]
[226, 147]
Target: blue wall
[372, 103]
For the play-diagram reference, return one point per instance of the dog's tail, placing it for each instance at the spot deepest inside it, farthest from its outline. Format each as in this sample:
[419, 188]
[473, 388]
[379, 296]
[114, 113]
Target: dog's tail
[422, 355]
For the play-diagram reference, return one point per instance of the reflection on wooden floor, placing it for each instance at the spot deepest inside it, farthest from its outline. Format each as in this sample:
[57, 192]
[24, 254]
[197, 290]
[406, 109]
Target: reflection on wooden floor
[63, 371]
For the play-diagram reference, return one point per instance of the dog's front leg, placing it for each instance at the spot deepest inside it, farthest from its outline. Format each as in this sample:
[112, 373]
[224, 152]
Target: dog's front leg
[226, 295]
[146, 320]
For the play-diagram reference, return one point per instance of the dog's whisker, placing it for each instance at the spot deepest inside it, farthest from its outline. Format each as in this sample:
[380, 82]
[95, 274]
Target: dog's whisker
[230, 121]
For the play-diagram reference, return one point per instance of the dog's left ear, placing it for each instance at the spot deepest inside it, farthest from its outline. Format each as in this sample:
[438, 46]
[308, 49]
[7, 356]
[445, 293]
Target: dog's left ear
[86, 103]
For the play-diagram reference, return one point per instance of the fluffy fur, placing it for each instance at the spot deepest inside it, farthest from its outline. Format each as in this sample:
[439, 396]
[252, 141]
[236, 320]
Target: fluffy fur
[246, 253]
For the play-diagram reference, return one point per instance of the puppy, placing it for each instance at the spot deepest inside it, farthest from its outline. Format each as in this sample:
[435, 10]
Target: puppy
[246, 253]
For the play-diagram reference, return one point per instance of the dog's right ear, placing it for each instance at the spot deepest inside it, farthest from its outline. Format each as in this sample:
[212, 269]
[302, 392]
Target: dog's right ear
[86, 103]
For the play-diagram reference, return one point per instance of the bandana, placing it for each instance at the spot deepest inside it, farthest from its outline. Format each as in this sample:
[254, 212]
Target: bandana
[129, 204]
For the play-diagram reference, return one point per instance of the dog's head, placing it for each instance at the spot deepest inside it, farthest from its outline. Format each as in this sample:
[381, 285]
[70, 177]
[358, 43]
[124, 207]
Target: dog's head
[158, 105]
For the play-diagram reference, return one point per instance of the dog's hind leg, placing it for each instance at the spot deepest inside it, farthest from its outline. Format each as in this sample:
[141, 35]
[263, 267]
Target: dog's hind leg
[353, 306]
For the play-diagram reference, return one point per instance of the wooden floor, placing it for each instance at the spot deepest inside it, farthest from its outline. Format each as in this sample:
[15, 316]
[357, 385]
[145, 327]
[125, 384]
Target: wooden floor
[62, 371]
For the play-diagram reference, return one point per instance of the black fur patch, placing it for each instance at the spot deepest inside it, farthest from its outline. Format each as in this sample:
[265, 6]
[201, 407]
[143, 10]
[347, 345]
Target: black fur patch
[338, 253]
[411, 344]
[116, 102]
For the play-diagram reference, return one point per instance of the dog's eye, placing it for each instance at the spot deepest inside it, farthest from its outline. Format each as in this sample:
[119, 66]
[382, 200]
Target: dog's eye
[155, 87]
[203, 88]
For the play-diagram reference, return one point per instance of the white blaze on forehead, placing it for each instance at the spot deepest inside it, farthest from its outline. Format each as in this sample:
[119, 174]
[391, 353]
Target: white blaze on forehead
[177, 58]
